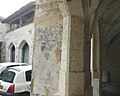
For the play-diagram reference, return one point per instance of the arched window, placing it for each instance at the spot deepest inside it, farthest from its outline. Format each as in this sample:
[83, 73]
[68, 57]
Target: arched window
[12, 52]
[25, 53]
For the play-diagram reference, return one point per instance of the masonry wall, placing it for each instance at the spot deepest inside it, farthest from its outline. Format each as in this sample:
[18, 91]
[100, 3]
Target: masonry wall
[25, 33]
[47, 53]
[2, 52]
[3, 30]
[61, 55]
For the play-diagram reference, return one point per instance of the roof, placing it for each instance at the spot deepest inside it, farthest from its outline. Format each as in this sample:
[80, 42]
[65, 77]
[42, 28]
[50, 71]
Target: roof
[1, 18]
[11, 63]
[21, 68]
[21, 12]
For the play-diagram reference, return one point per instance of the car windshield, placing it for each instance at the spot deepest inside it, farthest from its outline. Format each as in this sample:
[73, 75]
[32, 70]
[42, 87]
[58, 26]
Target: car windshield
[7, 76]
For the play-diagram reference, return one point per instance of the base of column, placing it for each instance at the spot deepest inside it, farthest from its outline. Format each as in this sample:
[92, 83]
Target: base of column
[96, 87]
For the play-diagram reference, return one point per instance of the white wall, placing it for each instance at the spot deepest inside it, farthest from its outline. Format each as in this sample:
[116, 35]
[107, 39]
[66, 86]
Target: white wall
[3, 30]
[25, 33]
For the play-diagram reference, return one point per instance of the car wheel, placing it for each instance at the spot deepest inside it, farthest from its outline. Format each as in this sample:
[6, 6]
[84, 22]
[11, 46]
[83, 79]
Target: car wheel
[25, 94]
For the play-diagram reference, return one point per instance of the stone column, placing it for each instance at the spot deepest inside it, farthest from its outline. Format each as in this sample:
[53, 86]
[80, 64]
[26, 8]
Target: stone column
[74, 70]
[0, 51]
[7, 55]
[95, 48]
[96, 62]
[74, 73]
[16, 54]
[47, 48]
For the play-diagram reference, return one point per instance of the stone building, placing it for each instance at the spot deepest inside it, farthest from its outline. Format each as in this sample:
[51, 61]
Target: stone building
[74, 46]
[67, 34]
[3, 30]
[18, 37]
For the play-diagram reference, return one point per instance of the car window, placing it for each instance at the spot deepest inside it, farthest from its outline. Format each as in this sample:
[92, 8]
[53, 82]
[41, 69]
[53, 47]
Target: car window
[2, 73]
[12, 66]
[28, 75]
[7, 76]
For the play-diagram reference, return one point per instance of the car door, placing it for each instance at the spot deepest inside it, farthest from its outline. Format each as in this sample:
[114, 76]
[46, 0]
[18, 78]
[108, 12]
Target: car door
[28, 79]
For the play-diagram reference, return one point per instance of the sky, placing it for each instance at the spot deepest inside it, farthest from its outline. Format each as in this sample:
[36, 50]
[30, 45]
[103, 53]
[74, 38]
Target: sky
[8, 7]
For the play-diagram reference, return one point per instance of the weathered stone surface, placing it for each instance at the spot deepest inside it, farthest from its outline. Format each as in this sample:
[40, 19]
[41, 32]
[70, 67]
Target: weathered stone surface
[16, 37]
[2, 52]
[3, 30]
[48, 45]
[59, 49]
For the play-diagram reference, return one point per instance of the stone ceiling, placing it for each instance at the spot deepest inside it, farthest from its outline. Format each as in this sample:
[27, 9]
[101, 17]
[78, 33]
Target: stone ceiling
[108, 16]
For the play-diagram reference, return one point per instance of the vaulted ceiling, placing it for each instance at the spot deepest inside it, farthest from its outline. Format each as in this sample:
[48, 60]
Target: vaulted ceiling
[109, 21]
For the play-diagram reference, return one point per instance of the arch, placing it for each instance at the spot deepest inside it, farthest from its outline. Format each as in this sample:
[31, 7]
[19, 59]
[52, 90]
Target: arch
[107, 16]
[11, 49]
[67, 31]
[24, 52]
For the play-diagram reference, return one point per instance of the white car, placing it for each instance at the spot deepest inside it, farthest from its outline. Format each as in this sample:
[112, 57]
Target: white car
[5, 65]
[16, 81]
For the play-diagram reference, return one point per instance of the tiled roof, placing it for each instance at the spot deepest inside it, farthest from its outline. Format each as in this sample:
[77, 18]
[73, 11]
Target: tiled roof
[22, 11]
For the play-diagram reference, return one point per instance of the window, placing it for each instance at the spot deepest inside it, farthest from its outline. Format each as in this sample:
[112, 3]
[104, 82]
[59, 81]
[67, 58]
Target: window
[13, 54]
[28, 75]
[7, 76]
[105, 77]
[25, 53]
[12, 66]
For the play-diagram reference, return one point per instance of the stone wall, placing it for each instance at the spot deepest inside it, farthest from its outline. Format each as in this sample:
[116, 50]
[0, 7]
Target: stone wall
[17, 37]
[3, 30]
[2, 52]
[61, 51]
[47, 49]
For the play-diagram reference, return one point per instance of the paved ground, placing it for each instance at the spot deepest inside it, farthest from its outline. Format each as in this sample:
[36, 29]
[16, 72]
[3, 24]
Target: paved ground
[111, 89]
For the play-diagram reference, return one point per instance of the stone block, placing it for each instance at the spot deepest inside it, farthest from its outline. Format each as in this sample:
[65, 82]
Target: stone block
[95, 87]
[76, 65]
[76, 44]
[63, 81]
[75, 4]
[76, 54]
[64, 55]
[77, 21]
[76, 78]
[77, 12]
[64, 66]
[76, 90]
[77, 33]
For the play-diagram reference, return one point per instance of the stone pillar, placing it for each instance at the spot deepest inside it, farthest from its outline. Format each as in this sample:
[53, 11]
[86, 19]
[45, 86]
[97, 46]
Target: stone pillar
[96, 62]
[7, 55]
[0, 51]
[76, 66]
[74, 72]
[95, 48]
[47, 48]
[30, 55]
[70, 75]
[16, 54]
[64, 68]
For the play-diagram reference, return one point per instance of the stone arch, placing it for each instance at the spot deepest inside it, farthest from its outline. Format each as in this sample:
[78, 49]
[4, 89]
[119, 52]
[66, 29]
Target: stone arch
[76, 54]
[11, 49]
[107, 19]
[24, 52]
